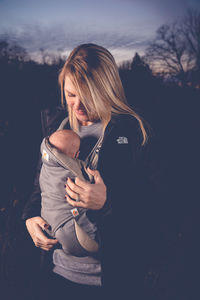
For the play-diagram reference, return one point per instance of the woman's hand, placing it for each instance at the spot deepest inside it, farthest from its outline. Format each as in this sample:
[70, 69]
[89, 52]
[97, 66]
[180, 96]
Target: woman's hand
[85, 194]
[35, 227]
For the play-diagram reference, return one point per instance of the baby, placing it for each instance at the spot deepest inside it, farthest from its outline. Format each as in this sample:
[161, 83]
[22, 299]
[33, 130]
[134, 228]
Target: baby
[70, 226]
[67, 141]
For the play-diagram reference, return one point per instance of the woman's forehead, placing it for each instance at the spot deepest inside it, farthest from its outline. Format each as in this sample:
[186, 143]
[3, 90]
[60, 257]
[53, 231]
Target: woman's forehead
[68, 84]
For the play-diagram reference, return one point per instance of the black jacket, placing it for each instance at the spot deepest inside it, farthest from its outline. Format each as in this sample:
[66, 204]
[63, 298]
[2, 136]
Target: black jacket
[123, 165]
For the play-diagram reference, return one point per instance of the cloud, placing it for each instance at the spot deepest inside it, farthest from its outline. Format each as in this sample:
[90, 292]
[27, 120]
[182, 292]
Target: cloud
[62, 40]
[168, 9]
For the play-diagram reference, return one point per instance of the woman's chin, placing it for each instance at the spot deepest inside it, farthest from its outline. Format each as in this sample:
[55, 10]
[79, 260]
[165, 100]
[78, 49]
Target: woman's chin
[83, 119]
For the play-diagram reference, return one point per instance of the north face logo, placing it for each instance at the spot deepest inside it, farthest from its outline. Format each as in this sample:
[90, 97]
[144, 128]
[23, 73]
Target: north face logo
[122, 140]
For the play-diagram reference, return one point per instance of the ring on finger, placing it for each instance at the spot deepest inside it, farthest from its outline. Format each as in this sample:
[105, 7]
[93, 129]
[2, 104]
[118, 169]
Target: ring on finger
[78, 198]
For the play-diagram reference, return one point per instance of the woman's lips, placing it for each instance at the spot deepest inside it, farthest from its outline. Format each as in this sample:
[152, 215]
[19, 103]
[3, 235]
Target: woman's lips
[80, 112]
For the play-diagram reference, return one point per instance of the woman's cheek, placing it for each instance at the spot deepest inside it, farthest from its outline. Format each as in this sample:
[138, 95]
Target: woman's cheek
[69, 103]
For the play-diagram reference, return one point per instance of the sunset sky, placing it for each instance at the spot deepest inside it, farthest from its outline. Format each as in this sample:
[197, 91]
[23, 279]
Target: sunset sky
[122, 26]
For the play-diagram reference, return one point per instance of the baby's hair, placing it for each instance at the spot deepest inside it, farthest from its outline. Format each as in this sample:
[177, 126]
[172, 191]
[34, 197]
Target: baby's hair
[66, 141]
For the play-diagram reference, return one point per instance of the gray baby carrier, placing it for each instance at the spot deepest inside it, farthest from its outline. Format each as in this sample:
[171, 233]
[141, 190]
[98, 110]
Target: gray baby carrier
[77, 234]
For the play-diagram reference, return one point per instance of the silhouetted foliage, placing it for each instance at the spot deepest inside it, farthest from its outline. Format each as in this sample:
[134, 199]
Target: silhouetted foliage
[11, 52]
[172, 111]
[168, 51]
[175, 51]
[191, 31]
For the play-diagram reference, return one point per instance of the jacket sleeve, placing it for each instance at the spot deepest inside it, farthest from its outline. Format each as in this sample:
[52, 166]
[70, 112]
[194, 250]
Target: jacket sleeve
[122, 164]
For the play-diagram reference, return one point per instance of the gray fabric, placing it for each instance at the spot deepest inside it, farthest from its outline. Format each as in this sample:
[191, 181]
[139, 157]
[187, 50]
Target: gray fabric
[72, 243]
[94, 129]
[83, 270]
[75, 166]
[55, 209]
[68, 261]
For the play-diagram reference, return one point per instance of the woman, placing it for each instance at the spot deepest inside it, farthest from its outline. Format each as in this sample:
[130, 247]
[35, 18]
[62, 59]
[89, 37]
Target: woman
[97, 108]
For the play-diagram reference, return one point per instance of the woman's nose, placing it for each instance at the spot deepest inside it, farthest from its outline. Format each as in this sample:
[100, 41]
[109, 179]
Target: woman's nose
[77, 104]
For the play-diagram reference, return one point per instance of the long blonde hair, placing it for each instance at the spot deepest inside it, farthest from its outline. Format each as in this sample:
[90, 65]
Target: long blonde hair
[94, 73]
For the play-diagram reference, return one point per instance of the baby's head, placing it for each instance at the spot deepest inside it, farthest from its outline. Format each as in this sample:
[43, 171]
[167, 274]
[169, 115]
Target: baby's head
[67, 141]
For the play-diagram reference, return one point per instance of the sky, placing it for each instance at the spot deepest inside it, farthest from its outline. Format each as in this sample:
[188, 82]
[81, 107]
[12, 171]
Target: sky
[57, 26]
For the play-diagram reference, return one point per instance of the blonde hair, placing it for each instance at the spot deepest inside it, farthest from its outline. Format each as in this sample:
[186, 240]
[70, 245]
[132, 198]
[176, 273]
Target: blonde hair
[94, 73]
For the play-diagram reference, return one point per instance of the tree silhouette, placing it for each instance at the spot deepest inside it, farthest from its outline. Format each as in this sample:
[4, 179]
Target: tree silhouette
[175, 51]
[191, 32]
[138, 81]
[167, 53]
[11, 52]
[140, 70]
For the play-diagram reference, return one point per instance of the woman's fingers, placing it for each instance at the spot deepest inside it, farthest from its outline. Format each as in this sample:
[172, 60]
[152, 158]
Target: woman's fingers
[40, 240]
[73, 190]
[96, 174]
[81, 183]
[87, 195]
[73, 186]
[35, 227]
[92, 196]
[78, 191]
[45, 245]
[75, 203]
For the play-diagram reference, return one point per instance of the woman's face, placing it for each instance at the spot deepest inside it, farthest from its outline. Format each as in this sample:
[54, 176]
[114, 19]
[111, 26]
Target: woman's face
[74, 101]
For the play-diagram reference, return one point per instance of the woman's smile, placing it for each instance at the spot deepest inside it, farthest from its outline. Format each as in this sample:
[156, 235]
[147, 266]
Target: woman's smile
[80, 112]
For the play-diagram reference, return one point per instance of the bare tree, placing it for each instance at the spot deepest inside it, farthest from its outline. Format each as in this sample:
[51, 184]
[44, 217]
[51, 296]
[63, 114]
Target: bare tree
[167, 53]
[191, 31]
[176, 49]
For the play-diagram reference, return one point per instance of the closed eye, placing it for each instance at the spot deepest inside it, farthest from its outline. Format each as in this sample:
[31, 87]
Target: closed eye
[70, 95]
